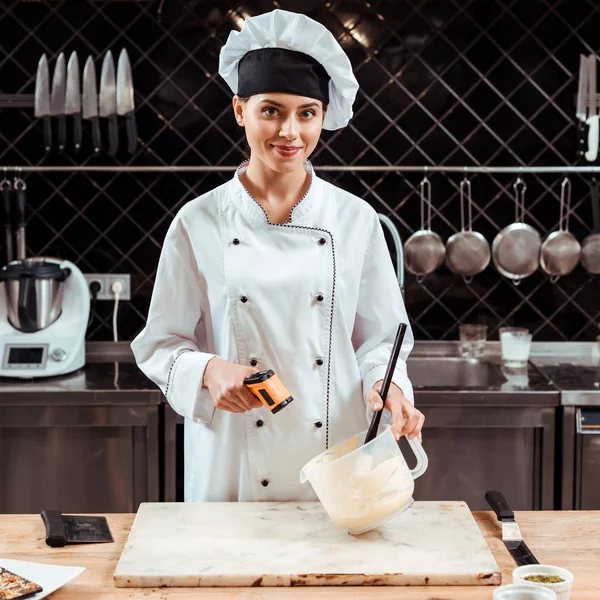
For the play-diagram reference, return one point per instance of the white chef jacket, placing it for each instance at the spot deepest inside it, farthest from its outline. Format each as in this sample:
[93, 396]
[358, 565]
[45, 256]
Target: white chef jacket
[316, 299]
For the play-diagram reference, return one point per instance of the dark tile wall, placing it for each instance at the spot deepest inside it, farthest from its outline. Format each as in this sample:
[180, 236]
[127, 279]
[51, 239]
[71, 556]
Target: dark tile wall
[455, 82]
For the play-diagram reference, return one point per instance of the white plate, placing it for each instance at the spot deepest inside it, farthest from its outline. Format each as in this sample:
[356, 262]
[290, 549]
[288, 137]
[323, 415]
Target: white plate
[50, 577]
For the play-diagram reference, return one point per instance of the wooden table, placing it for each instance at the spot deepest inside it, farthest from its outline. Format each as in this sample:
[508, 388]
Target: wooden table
[570, 539]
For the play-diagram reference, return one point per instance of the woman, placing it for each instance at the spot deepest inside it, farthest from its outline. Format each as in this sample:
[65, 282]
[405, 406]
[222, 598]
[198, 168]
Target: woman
[276, 269]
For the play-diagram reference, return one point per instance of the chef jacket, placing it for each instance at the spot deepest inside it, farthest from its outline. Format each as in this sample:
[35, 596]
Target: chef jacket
[316, 299]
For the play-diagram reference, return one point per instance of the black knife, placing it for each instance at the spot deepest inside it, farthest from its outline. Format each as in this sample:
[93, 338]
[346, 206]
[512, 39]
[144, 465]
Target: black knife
[42, 99]
[125, 102]
[58, 99]
[90, 101]
[511, 534]
[73, 99]
[108, 101]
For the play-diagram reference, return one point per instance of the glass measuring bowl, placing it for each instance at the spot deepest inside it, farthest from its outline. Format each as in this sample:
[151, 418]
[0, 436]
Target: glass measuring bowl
[362, 486]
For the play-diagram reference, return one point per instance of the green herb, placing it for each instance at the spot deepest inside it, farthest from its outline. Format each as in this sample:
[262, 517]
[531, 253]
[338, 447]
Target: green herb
[544, 578]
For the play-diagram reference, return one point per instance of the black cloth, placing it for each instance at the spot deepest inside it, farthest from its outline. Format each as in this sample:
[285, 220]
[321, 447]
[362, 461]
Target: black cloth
[280, 70]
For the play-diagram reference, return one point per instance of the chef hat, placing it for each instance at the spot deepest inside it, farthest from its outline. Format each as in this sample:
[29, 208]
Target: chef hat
[282, 51]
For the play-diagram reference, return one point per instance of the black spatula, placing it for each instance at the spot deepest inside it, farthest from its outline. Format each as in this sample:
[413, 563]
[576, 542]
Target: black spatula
[387, 380]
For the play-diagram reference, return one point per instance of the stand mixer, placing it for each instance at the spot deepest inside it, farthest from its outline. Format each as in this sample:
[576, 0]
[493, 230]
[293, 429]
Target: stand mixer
[44, 309]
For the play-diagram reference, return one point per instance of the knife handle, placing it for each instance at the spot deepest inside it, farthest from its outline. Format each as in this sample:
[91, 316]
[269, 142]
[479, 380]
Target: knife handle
[47, 133]
[62, 132]
[95, 122]
[77, 131]
[131, 132]
[113, 134]
[56, 536]
[499, 505]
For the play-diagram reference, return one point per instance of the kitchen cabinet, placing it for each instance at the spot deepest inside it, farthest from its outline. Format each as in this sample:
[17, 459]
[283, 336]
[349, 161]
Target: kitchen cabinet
[86, 443]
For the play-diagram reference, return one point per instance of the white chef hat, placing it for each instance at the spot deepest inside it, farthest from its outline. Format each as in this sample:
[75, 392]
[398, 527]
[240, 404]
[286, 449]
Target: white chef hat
[282, 51]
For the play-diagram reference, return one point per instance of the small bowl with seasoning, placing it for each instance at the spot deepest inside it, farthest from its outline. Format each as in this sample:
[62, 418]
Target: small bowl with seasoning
[523, 592]
[550, 577]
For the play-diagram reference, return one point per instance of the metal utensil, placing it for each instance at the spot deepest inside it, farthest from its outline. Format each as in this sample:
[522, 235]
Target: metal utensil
[58, 99]
[20, 186]
[467, 251]
[74, 529]
[590, 246]
[42, 100]
[108, 102]
[90, 101]
[125, 102]
[424, 250]
[561, 251]
[73, 100]
[6, 188]
[592, 121]
[511, 534]
[398, 248]
[516, 249]
[387, 380]
[582, 103]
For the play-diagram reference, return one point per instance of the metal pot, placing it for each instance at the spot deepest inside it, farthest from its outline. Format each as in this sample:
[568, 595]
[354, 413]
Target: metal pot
[516, 249]
[34, 293]
[590, 247]
[467, 252]
[561, 251]
[424, 250]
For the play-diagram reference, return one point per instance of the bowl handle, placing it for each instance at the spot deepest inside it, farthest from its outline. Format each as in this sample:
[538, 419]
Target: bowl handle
[422, 460]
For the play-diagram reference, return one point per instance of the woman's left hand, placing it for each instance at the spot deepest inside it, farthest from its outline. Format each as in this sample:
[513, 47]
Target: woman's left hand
[406, 419]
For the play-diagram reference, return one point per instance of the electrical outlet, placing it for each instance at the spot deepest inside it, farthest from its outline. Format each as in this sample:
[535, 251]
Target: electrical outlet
[106, 280]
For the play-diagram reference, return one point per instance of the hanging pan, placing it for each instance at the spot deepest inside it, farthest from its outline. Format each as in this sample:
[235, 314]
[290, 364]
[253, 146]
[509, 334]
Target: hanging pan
[467, 252]
[561, 251]
[516, 249]
[424, 250]
[590, 247]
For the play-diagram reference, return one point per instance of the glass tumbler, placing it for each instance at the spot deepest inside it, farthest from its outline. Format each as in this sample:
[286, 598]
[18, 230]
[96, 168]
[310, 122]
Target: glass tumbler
[516, 345]
[472, 340]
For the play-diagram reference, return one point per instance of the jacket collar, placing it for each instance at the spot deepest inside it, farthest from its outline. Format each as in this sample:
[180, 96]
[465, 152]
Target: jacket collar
[255, 212]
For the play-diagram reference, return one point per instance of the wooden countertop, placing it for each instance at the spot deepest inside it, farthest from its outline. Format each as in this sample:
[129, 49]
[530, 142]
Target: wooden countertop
[570, 539]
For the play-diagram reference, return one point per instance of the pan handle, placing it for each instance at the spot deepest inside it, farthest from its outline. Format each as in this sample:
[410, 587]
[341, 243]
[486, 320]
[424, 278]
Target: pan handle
[517, 183]
[595, 198]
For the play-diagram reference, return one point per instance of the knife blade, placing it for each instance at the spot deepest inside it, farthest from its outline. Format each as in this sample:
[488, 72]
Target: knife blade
[57, 99]
[582, 103]
[592, 121]
[73, 100]
[42, 99]
[108, 101]
[125, 100]
[90, 101]
[511, 534]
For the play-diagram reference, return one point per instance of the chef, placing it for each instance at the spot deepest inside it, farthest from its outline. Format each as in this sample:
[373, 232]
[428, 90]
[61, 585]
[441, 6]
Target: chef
[276, 269]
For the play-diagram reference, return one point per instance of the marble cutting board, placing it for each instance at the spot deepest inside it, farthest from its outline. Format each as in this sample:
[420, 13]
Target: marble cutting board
[289, 544]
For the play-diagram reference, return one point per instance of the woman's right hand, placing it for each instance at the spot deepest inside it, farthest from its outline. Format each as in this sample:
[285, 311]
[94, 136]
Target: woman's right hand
[225, 382]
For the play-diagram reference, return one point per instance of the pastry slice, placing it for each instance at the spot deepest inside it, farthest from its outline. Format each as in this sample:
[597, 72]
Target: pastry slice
[13, 587]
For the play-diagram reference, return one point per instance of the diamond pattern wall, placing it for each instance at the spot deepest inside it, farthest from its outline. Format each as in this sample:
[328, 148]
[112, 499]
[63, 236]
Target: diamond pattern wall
[452, 82]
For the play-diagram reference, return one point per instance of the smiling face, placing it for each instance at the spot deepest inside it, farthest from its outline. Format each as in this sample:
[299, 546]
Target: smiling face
[282, 129]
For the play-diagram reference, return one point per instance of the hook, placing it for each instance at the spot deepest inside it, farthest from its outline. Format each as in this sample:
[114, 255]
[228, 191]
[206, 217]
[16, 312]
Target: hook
[565, 210]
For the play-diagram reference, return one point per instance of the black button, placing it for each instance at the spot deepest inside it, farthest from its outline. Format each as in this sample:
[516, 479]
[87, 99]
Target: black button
[259, 423]
[320, 298]
[253, 362]
[265, 482]
[319, 361]
[318, 424]
[244, 299]
[236, 241]
[322, 241]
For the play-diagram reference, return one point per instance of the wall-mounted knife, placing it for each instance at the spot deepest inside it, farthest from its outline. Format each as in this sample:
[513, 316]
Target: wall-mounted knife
[57, 99]
[592, 152]
[90, 101]
[108, 102]
[125, 102]
[582, 103]
[73, 101]
[42, 99]
[511, 534]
